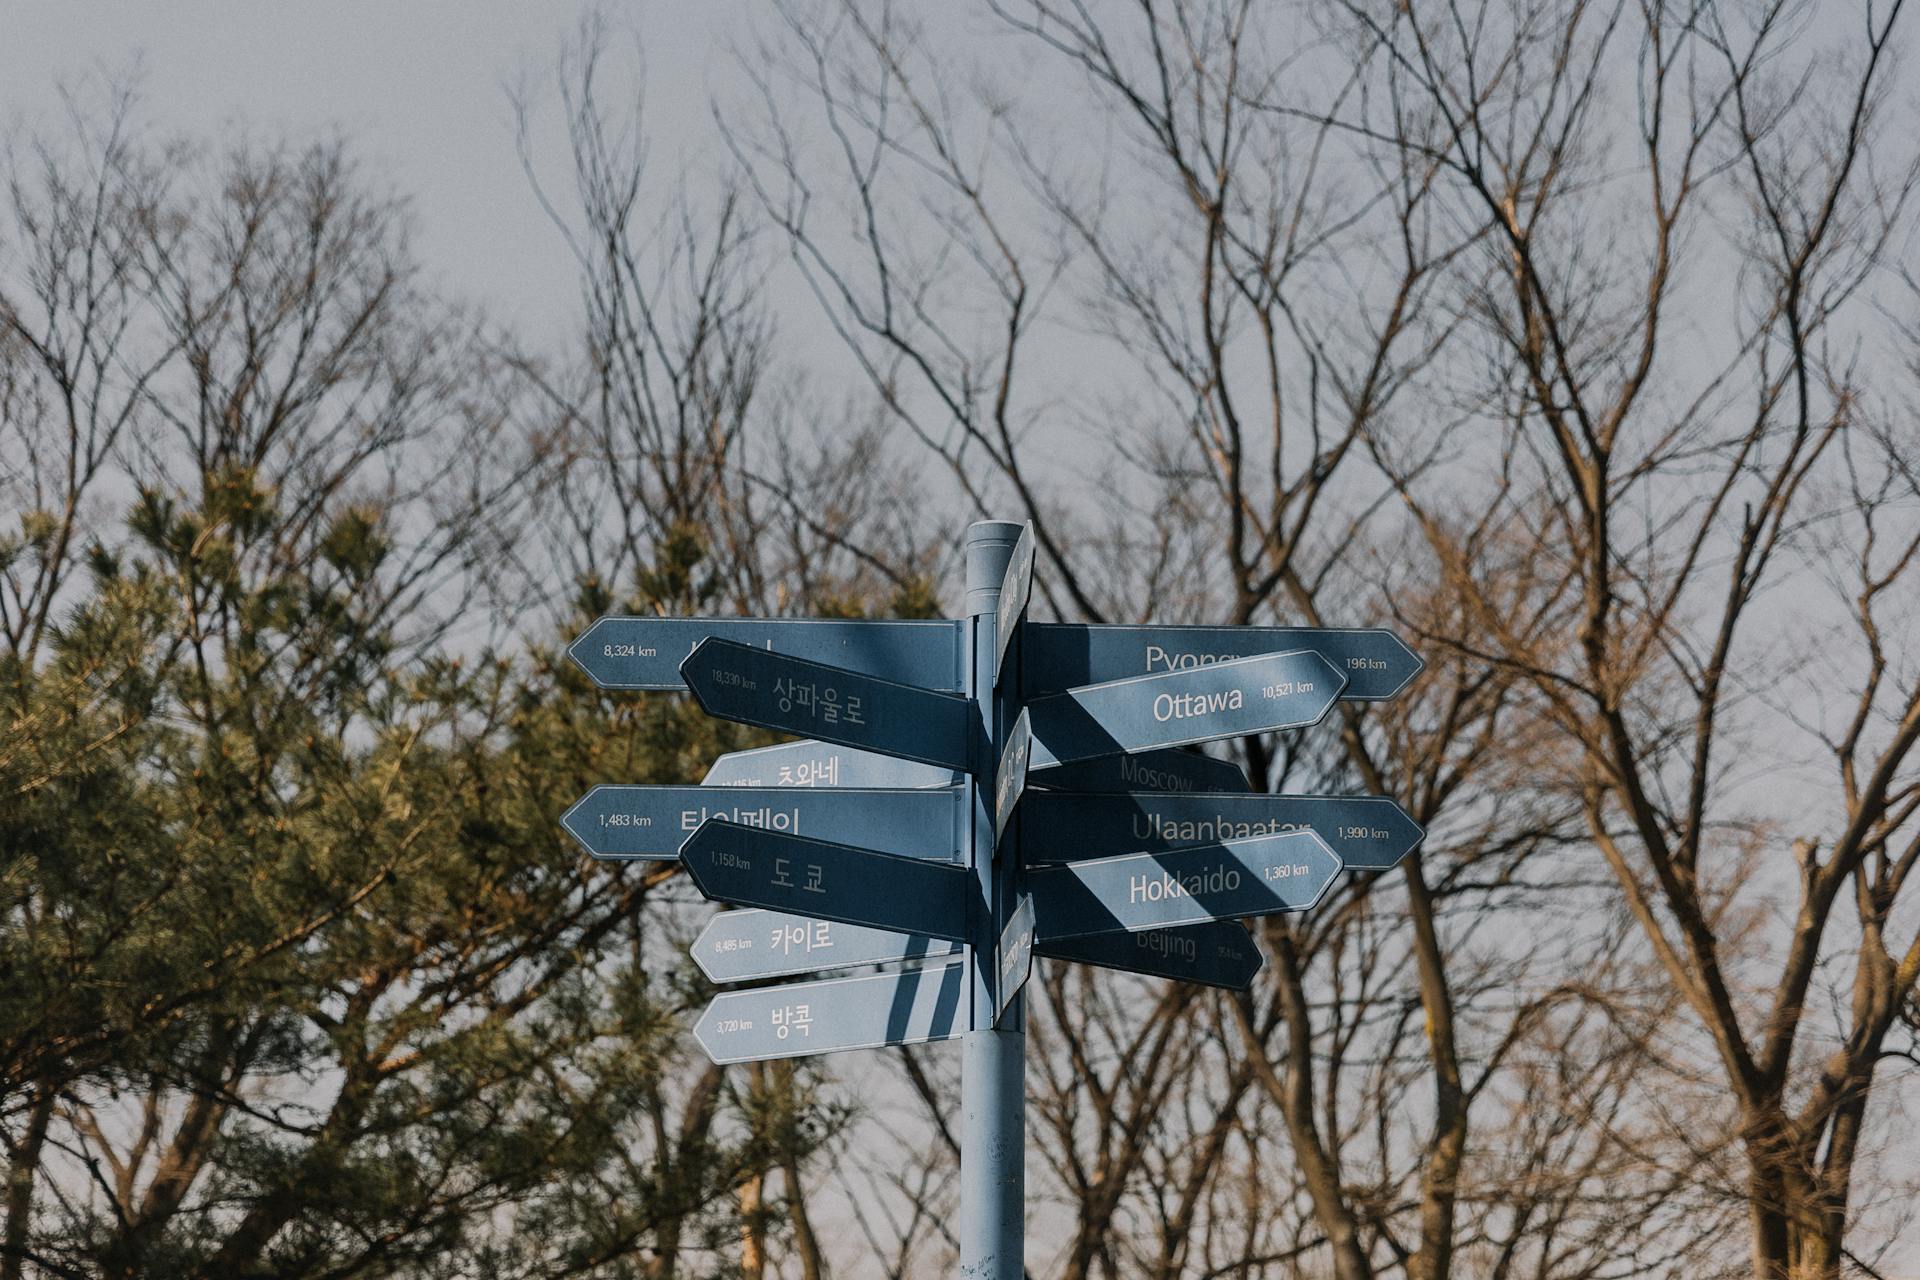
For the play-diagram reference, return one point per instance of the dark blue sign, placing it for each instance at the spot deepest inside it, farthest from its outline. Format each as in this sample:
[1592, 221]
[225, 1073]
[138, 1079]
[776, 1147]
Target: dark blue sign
[1058, 655]
[1175, 769]
[754, 867]
[1010, 780]
[1257, 877]
[801, 1018]
[739, 946]
[807, 763]
[1370, 833]
[753, 686]
[1013, 957]
[1015, 588]
[1219, 953]
[1220, 700]
[653, 822]
[646, 653]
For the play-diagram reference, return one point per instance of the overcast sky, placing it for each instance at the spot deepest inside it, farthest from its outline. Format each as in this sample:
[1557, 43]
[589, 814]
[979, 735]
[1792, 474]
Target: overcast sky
[421, 87]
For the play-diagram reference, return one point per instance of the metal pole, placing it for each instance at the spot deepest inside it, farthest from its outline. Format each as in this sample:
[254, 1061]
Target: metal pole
[993, 1137]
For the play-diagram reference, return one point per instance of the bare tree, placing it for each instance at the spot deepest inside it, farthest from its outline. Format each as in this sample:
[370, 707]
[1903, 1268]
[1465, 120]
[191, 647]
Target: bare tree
[1685, 377]
[681, 454]
[301, 977]
[76, 341]
[1272, 294]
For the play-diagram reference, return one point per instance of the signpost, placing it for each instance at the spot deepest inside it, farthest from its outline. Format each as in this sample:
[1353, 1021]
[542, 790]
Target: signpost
[1227, 881]
[1063, 655]
[1016, 585]
[968, 793]
[1013, 957]
[1219, 953]
[1222, 700]
[802, 1018]
[760, 868]
[793, 695]
[739, 946]
[1370, 833]
[1010, 780]
[646, 653]
[822, 764]
[613, 821]
[1175, 769]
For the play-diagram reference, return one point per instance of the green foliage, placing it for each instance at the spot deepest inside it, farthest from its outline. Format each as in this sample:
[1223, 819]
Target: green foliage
[315, 902]
[675, 580]
[916, 598]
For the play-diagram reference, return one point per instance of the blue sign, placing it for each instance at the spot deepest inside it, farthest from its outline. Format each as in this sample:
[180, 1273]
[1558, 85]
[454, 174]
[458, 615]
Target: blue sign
[1010, 780]
[807, 763]
[646, 653]
[754, 867]
[753, 686]
[1058, 655]
[1013, 957]
[1221, 700]
[653, 822]
[1219, 953]
[739, 946]
[1370, 833]
[1257, 877]
[1015, 589]
[800, 1018]
[1175, 769]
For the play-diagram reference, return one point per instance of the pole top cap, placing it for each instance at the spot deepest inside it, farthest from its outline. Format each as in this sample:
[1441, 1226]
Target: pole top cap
[989, 546]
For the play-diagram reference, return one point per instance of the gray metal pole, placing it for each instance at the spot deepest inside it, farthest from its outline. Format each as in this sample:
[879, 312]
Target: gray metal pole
[993, 1137]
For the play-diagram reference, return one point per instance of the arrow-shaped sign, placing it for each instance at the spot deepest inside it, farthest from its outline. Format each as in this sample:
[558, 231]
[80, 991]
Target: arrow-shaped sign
[755, 867]
[1235, 879]
[833, 704]
[739, 946]
[808, 763]
[646, 653]
[1225, 699]
[1016, 586]
[801, 1018]
[1219, 953]
[1013, 957]
[617, 821]
[1369, 833]
[1175, 769]
[1060, 655]
[1010, 779]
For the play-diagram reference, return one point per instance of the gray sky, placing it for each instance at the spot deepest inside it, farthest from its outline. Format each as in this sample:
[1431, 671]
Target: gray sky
[420, 86]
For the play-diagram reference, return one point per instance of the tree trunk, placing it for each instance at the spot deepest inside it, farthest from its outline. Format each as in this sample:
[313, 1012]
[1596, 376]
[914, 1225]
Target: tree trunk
[805, 1243]
[1294, 1094]
[23, 1164]
[753, 1251]
[1439, 1190]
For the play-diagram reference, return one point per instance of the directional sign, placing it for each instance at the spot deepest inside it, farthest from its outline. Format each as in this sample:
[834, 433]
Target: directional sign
[1223, 699]
[1219, 953]
[1013, 957]
[1010, 780]
[755, 867]
[739, 946]
[833, 704]
[1368, 832]
[1175, 769]
[1257, 877]
[801, 1018]
[645, 653]
[1015, 588]
[1057, 655]
[821, 764]
[652, 822]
